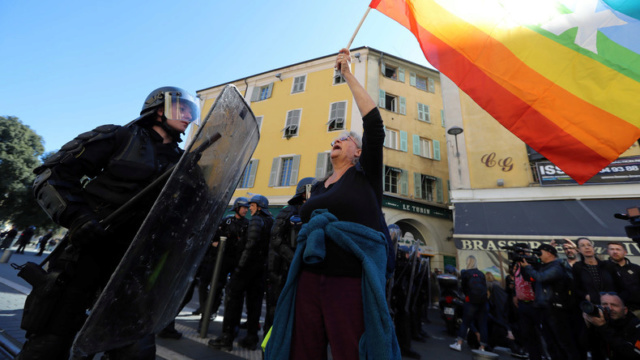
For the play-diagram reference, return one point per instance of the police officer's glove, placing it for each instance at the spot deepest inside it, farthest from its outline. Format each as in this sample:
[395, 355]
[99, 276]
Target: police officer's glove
[86, 230]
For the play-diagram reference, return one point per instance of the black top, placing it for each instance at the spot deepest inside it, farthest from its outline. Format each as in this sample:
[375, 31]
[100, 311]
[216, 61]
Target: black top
[355, 197]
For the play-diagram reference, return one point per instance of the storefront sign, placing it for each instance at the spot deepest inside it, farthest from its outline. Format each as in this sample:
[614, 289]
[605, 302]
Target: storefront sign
[623, 170]
[600, 246]
[417, 208]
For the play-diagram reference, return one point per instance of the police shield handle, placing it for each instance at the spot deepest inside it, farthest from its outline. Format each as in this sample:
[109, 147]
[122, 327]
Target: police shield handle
[206, 315]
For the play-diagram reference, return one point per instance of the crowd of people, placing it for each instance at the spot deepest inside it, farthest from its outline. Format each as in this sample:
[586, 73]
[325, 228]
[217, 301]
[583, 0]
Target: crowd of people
[559, 308]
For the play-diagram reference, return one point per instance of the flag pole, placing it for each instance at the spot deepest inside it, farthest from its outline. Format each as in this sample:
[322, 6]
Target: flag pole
[336, 72]
[358, 28]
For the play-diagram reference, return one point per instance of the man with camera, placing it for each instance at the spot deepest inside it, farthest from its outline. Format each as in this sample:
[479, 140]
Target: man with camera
[551, 288]
[617, 326]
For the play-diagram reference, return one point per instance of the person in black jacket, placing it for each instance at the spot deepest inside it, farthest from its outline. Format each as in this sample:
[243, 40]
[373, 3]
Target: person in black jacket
[474, 287]
[9, 236]
[627, 274]
[282, 246]
[86, 181]
[24, 239]
[249, 278]
[551, 287]
[618, 327]
[591, 276]
[44, 240]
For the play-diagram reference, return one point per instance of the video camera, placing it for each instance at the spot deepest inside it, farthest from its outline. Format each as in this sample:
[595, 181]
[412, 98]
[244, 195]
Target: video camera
[517, 253]
[633, 216]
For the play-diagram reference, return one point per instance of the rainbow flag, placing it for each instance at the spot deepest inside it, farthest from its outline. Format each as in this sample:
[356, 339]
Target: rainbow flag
[563, 76]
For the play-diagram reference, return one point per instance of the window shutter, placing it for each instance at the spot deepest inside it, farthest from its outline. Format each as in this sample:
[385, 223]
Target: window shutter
[403, 106]
[383, 68]
[436, 149]
[269, 89]
[293, 180]
[427, 113]
[417, 185]
[404, 183]
[432, 86]
[381, 99]
[275, 166]
[442, 117]
[404, 146]
[400, 74]
[416, 144]
[420, 112]
[440, 195]
[255, 93]
[321, 165]
[252, 173]
[412, 79]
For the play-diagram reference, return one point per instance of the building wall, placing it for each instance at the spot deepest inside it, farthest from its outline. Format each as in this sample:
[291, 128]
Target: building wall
[314, 138]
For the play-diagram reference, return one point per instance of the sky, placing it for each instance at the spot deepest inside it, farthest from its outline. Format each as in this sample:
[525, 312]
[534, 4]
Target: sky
[70, 66]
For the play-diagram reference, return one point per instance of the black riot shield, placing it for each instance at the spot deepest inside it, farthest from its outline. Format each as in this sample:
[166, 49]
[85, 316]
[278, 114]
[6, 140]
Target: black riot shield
[145, 292]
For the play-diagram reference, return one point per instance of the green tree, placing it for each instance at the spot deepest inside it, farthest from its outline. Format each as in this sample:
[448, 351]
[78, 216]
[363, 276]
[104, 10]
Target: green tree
[20, 151]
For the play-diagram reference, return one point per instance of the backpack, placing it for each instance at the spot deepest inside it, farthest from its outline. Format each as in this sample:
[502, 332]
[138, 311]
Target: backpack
[476, 286]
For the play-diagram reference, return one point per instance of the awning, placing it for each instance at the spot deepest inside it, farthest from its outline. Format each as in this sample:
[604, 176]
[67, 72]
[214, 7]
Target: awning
[568, 218]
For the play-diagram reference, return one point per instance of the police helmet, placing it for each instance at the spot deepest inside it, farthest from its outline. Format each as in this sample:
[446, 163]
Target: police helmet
[240, 202]
[301, 190]
[261, 201]
[179, 103]
[395, 232]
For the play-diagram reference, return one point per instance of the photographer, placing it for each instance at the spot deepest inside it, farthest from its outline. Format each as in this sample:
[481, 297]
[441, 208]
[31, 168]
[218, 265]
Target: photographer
[617, 326]
[551, 288]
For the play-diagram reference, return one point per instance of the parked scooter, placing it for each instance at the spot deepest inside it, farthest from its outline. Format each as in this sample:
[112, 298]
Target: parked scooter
[451, 302]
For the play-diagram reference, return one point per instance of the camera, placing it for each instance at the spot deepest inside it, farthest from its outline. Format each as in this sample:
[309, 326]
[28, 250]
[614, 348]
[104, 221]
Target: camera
[592, 309]
[518, 252]
[633, 216]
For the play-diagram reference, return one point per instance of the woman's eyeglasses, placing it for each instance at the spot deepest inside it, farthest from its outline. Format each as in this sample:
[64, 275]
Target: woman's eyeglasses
[342, 139]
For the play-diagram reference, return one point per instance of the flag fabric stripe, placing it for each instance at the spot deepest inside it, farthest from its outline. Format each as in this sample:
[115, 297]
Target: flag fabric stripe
[554, 102]
[577, 135]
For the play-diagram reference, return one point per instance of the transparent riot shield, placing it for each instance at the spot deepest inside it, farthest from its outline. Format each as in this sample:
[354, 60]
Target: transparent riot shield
[145, 292]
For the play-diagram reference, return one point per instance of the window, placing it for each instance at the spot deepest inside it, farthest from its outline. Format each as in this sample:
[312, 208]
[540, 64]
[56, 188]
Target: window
[392, 72]
[323, 165]
[397, 104]
[428, 187]
[338, 78]
[259, 122]
[427, 148]
[284, 171]
[337, 116]
[249, 175]
[261, 92]
[292, 123]
[395, 180]
[298, 84]
[391, 139]
[422, 82]
[423, 113]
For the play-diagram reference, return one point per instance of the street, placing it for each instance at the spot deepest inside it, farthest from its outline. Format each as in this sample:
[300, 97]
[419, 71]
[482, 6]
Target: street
[13, 291]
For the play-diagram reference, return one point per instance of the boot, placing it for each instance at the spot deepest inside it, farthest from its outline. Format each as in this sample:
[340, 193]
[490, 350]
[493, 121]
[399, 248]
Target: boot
[224, 342]
[170, 332]
[249, 342]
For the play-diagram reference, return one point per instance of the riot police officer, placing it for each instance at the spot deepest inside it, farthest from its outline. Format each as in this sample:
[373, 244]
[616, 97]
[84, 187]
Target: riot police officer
[234, 227]
[87, 180]
[283, 246]
[249, 278]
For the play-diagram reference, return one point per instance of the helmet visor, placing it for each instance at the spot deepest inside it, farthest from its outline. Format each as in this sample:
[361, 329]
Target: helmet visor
[181, 107]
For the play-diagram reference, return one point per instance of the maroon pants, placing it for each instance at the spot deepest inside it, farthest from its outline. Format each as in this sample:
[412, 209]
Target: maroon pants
[328, 311]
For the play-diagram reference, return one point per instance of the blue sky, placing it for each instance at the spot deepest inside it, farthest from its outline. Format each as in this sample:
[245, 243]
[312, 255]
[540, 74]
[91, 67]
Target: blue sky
[70, 66]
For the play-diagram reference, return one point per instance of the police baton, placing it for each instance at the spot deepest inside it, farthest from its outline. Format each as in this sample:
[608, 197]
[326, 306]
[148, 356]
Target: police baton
[204, 324]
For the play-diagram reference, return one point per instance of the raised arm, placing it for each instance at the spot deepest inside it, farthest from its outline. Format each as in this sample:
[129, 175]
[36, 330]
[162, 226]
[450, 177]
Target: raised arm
[363, 100]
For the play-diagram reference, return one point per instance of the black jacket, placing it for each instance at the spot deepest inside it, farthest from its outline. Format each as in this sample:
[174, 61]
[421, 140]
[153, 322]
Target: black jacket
[628, 277]
[622, 337]
[585, 285]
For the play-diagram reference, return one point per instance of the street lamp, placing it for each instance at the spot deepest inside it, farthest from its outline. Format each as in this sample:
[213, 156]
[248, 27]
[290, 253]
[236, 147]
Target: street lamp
[455, 131]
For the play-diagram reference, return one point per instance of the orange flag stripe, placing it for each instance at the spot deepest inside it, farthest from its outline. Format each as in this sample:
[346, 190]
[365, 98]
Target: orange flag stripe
[573, 149]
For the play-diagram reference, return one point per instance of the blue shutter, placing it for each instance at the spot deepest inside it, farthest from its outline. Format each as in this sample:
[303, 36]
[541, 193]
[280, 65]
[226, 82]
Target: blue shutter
[293, 180]
[404, 146]
[274, 172]
[401, 74]
[416, 145]
[252, 173]
[436, 149]
[381, 99]
[403, 105]
[404, 183]
[269, 90]
[440, 195]
[412, 79]
[417, 185]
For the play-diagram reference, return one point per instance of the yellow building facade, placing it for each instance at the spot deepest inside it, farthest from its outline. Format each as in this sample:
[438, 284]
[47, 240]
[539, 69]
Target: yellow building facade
[302, 108]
